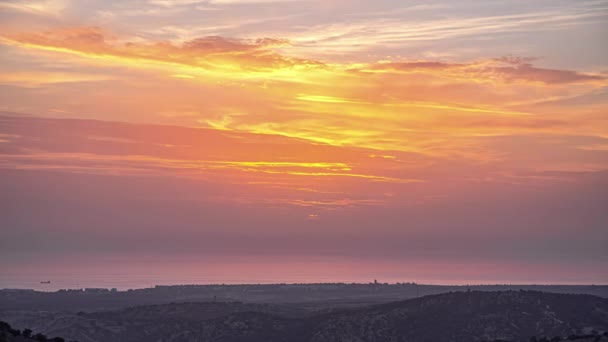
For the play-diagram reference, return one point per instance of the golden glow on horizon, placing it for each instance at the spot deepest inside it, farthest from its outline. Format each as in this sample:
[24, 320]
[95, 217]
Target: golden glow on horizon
[147, 163]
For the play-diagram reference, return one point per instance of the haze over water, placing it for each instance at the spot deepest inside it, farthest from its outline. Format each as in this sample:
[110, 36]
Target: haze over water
[142, 275]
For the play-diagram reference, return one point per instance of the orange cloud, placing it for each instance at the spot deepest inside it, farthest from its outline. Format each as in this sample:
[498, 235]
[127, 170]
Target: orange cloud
[505, 69]
[207, 53]
[436, 108]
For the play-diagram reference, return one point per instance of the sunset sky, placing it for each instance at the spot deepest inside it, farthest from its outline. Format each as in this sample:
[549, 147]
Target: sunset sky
[303, 141]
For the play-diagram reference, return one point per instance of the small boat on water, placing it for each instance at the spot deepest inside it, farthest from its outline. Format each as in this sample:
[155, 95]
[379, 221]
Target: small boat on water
[45, 282]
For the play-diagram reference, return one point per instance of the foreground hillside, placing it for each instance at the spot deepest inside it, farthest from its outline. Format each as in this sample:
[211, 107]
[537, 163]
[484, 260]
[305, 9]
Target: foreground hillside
[10, 334]
[454, 317]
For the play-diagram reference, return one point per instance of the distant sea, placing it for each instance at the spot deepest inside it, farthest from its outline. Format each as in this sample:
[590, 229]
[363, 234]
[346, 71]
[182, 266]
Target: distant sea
[132, 274]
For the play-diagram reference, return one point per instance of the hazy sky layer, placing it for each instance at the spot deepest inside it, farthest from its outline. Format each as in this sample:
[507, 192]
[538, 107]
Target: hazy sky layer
[440, 141]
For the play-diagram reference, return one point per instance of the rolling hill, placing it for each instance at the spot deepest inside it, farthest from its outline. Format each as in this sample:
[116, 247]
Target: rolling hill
[450, 317]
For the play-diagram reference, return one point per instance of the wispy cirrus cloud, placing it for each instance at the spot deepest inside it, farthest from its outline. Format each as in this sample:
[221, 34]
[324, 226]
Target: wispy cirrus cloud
[37, 7]
[390, 32]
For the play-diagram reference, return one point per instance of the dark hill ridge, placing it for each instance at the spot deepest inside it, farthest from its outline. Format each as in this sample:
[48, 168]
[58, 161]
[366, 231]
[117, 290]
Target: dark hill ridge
[470, 316]
[450, 317]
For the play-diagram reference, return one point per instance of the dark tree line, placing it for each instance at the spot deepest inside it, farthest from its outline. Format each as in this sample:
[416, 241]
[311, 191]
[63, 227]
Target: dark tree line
[6, 331]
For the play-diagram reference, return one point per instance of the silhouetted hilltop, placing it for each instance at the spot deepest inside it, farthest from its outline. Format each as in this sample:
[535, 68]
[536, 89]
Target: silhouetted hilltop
[454, 317]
